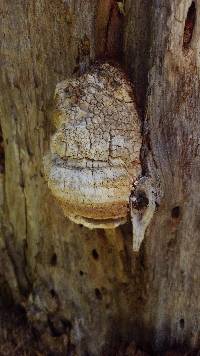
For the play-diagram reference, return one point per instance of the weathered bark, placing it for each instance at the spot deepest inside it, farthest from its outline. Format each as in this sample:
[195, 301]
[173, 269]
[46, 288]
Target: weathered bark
[87, 287]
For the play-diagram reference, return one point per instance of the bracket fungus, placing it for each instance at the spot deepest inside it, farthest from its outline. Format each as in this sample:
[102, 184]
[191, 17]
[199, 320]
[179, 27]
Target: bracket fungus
[94, 154]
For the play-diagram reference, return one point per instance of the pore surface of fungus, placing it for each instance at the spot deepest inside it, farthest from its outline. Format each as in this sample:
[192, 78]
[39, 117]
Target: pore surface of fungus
[94, 155]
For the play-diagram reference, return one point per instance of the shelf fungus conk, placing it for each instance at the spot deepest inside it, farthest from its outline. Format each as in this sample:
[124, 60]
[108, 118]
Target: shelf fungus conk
[94, 155]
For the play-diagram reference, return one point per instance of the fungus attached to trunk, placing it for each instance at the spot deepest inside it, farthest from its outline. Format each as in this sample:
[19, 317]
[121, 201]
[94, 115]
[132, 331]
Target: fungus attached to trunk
[95, 151]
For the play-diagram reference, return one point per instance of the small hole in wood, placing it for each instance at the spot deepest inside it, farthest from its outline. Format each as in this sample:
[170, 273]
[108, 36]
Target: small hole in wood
[56, 326]
[95, 254]
[66, 90]
[53, 260]
[67, 324]
[182, 323]
[175, 213]
[81, 273]
[2, 154]
[189, 25]
[98, 294]
[53, 293]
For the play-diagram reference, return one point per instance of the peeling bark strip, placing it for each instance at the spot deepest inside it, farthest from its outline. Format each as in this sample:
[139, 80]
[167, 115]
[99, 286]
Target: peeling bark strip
[95, 151]
[142, 204]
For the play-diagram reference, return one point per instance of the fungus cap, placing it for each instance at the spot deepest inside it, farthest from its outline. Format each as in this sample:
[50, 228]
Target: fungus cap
[94, 154]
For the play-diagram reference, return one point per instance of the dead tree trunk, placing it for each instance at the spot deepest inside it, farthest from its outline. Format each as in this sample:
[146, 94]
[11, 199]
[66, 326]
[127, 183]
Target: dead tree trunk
[87, 287]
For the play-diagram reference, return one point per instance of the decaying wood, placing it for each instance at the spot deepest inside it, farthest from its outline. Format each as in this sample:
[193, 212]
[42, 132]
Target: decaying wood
[88, 288]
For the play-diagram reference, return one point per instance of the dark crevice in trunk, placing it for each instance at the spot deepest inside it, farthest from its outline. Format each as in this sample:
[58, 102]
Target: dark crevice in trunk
[189, 25]
[137, 45]
[2, 153]
[109, 31]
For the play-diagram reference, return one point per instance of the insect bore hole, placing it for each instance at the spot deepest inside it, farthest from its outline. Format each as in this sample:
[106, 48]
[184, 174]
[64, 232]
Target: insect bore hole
[53, 293]
[98, 294]
[176, 212]
[182, 323]
[95, 254]
[189, 25]
[53, 260]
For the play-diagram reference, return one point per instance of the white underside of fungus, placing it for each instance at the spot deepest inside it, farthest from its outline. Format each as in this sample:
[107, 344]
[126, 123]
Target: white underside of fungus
[94, 157]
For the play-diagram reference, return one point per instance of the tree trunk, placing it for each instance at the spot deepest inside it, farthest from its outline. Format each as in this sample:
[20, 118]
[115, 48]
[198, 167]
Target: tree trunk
[87, 287]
